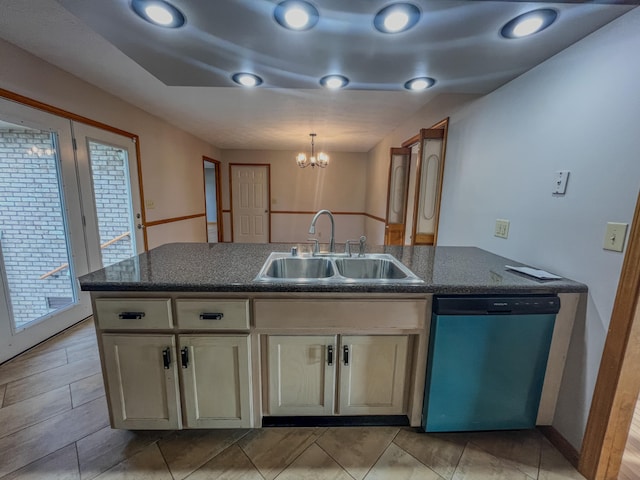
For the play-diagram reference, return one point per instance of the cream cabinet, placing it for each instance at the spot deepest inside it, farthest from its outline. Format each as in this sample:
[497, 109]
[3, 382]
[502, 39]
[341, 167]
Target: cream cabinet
[303, 372]
[373, 372]
[141, 375]
[216, 380]
[194, 372]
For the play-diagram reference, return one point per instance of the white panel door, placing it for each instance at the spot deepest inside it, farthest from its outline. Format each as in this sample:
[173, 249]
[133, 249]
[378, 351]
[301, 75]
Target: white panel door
[250, 203]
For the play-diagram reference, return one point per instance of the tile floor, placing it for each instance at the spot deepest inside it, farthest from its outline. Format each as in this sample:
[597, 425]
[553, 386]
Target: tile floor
[630, 468]
[54, 425]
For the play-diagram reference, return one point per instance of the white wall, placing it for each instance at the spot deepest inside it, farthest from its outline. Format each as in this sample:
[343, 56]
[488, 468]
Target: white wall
[340, 187]
[578, 111]
[171, 158]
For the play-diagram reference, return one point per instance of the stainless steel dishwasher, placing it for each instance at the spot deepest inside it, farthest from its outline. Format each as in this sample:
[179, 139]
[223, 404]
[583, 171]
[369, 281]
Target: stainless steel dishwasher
[486, 363]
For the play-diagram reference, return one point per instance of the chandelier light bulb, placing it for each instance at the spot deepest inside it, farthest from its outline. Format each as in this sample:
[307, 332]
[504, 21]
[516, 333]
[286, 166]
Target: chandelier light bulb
[321, 160]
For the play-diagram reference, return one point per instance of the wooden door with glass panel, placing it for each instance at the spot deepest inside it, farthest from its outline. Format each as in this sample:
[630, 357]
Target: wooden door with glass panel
[397, 196]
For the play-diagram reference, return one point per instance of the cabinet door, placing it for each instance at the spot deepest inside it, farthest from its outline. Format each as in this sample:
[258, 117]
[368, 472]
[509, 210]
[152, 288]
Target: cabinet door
[301, 374]
[373, 370]
[142, 381]
[216, 380]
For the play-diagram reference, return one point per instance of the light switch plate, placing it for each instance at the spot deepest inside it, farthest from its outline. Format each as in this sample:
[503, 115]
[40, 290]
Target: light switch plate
[502, 228]
[560, 182]
[614, 238]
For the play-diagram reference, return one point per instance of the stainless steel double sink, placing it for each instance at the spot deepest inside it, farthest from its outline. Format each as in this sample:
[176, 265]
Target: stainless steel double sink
[372, 268]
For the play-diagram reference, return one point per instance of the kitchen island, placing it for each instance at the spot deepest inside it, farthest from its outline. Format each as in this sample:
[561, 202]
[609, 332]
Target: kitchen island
[189, 338]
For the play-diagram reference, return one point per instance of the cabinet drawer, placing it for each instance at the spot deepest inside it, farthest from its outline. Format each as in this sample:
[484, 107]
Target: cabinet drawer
[133, 313]
[340, 314]
[213, 314]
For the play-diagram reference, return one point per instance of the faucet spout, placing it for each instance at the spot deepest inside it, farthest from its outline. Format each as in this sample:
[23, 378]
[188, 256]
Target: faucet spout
[312, 228]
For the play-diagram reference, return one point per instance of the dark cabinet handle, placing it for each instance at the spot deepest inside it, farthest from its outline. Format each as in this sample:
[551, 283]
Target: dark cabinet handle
[345, 354]
[130, 315]
[330, 355]
[166, 358]
[211, 316]
[184, 355]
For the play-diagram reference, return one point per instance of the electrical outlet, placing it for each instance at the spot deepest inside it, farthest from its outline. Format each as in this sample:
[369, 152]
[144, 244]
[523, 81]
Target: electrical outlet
[614, 238]
[502, 228]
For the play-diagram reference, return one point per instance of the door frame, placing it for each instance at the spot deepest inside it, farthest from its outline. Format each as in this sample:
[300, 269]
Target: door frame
[217, 169]
[618, 382]
[268, 165]
[419, 139]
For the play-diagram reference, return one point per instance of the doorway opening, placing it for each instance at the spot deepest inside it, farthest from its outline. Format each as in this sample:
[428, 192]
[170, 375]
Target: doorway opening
[213, 201]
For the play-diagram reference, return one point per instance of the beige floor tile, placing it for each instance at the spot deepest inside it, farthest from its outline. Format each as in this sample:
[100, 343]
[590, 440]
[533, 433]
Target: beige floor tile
[356, 449]
[314, 464]
[147, 464]
[77, 333]
[34, 442]
[87, 389]
[107, 447]
[553, 465]
[187, 450]
[82, 349]
[29, 412]
[521, 448]
[51, 379]
[31, 363]
[59, 465]
[440, 452]
[397, 464]
[232, 464]
[476, 464]
[273, 449]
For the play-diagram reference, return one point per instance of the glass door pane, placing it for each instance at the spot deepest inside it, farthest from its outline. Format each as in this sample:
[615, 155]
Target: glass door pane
[33, 234]
[110, 177]
[109, 183]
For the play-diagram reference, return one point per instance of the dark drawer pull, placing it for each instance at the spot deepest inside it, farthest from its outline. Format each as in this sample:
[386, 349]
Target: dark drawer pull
[211, 316]
[131, 315]
[345, 355]
[330, 355]
[184, 354]
[166, 358]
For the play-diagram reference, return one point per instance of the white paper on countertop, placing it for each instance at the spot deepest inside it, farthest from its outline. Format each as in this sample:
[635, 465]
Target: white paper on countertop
[534, 272]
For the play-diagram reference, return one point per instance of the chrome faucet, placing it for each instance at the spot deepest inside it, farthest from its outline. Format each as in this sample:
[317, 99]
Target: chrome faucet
[312, 229]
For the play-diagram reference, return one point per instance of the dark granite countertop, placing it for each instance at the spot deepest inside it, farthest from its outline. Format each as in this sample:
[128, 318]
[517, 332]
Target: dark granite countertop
[232, 267]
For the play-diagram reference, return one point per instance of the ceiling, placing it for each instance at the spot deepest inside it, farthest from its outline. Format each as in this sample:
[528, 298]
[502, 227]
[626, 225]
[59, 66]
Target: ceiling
[183, 75]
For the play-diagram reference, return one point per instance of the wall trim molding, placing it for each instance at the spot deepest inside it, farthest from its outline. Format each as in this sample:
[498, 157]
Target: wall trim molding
[174, 219]
[309, 212]
[561, 444]
[379, 219]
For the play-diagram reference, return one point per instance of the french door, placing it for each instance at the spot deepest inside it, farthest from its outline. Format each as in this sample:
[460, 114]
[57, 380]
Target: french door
[55, 208]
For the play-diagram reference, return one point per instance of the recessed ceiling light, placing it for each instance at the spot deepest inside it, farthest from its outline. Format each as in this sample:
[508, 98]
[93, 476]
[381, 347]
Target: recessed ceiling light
[529, 23]
[296, 15]
[158, 12]
[334, 82]
[246, 79]
[396, 18]
[419, 83]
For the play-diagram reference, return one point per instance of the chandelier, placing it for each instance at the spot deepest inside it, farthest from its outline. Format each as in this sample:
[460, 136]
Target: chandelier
[322, 160]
